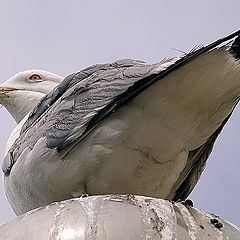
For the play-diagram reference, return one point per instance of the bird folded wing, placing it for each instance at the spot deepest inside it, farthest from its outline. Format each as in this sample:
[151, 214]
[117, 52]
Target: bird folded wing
[83, 100]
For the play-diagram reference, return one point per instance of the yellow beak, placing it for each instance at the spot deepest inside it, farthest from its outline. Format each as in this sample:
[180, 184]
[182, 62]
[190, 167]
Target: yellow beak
[7, 89]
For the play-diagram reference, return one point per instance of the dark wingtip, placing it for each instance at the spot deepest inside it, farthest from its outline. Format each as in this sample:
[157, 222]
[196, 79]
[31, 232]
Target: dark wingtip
[235, 48]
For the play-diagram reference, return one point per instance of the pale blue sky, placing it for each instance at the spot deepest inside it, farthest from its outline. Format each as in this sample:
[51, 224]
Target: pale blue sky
[66, 36]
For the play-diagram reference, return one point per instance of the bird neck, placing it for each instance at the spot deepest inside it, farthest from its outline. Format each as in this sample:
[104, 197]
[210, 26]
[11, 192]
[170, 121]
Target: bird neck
[20, 103]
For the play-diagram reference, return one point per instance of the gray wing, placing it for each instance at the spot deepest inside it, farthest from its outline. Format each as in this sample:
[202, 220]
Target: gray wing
[85, 99]
[63, 116]
[85, 96]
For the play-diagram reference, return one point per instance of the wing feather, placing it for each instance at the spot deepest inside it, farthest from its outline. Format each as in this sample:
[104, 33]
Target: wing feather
[83, 100]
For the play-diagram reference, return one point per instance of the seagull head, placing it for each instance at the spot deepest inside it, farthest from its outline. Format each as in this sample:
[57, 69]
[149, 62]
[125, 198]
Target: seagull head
[20, 93]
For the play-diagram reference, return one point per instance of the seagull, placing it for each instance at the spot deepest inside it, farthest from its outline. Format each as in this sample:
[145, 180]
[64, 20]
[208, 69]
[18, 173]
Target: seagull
[125, 127]
[21, 93]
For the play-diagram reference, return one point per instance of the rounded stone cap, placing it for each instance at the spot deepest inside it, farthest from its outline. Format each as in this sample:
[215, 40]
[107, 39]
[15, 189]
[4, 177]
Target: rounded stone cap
[118, 217]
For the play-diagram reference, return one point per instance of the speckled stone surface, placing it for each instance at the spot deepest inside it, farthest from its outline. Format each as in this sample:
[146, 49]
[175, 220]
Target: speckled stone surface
[115, 217]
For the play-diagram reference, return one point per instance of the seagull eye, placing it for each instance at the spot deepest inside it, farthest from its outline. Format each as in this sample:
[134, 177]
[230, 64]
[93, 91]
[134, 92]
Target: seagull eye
[35, 77]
